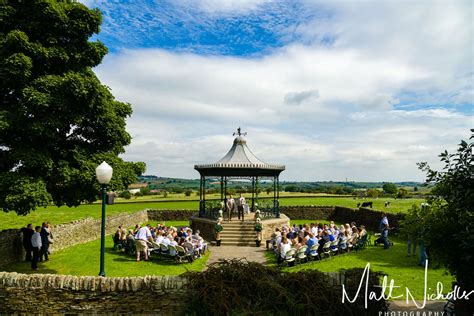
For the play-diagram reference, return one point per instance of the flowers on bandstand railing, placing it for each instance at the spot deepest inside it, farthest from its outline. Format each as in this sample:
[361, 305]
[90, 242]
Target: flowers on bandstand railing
[267, 209]
[218, 228]
[258, 228]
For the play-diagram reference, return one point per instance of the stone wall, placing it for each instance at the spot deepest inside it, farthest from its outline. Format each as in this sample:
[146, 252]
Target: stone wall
[88, 229]
[364, 216]
[205, 226]
[11, 248]
[307, 212]
[170, 215]
[66, 235]
[61, 294]
[269, 226]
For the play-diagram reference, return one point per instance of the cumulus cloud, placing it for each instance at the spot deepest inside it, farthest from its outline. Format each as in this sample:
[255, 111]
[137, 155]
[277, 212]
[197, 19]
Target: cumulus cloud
[297, 98]
[326, 111]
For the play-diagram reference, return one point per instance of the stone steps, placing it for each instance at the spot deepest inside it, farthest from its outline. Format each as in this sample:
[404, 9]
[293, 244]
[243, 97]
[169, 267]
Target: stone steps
[237, 234]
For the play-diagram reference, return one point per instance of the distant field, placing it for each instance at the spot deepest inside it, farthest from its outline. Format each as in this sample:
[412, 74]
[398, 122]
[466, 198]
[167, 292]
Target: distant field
[58, 215]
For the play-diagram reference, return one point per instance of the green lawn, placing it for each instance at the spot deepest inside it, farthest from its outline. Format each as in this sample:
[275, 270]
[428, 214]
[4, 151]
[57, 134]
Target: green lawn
[84, 260]
[58, 215]
[394, 262]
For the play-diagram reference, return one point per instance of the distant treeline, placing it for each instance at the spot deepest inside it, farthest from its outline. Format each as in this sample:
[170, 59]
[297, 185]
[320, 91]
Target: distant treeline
[176, 185]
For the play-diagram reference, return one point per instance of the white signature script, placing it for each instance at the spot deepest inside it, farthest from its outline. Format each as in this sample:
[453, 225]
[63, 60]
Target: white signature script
[388, 287]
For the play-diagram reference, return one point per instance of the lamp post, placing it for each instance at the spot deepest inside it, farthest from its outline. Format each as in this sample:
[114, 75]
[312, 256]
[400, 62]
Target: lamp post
[103, 173]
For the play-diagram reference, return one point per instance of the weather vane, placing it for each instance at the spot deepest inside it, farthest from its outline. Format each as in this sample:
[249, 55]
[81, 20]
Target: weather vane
[239, 132]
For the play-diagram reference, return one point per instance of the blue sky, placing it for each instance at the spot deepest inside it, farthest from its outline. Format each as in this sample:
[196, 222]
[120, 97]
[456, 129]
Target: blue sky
[332, 89]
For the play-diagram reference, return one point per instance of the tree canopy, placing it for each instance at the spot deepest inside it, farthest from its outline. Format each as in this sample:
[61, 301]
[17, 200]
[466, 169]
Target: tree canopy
[57, 121]
[390, 188]
[447, 225]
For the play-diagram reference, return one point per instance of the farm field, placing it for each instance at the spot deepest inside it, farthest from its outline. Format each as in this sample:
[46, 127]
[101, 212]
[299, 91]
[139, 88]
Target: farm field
[58, 215]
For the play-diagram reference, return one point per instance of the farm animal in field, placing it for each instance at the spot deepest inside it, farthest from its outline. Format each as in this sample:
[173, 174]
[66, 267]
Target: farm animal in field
[387, 204]
[366, 204]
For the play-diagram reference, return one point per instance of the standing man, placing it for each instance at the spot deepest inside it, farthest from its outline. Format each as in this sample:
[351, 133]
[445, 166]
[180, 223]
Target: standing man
[240, 206]
[44, 242]
[383, 222]
[27, 233]
[141, 238]
[36, 247]
[230, 206]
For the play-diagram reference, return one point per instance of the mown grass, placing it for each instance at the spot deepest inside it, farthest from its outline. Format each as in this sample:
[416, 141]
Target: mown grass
[83, 259]
[64, 214]
[393, 262]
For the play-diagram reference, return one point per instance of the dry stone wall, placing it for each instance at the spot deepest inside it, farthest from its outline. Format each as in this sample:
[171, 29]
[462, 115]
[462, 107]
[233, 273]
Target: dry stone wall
[11, 248]
[62, 294]
[85, 230]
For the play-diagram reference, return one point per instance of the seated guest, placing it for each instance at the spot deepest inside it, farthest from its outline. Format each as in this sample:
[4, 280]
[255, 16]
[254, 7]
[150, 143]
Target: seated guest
[355, 234]
[343, 240]
[284, 247]
[310, 242]
[142, 236]
[165, 239]
[314, 229]
[159, 237]
[274, 239]
[332, 238]
[324, 239]
[362, 231]
[348, 228]
[135, 230]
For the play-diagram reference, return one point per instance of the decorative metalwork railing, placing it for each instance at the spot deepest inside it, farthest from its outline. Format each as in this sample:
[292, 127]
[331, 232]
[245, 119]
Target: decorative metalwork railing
[267, 208]
[213, 209]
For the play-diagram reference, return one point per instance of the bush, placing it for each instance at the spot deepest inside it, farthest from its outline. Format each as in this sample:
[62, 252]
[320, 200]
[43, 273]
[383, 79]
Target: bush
[373, 193]
[188, 192]
[451, 212]
[238, 287]
[390, 188]
[145, 191]
[126, 195]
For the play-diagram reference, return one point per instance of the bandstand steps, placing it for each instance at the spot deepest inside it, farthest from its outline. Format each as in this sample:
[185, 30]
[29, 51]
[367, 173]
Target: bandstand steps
[236, 234]
[237, 230]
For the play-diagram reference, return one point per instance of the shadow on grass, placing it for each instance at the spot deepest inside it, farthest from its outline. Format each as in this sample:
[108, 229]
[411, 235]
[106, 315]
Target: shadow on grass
[25, 267]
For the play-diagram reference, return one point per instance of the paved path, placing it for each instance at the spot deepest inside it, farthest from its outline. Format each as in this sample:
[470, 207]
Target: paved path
[433, 306]
[236, 252]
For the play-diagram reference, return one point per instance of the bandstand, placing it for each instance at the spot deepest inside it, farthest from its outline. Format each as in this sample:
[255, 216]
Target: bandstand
[239, 165]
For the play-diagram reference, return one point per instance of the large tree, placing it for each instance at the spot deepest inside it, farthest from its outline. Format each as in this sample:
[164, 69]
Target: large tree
[447, 226]
[57, 121]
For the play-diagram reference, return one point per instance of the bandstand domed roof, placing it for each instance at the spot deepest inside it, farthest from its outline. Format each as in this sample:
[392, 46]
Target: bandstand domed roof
[240, 161]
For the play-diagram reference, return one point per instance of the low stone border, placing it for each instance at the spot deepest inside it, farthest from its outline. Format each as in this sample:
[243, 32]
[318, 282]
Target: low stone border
[51, 294]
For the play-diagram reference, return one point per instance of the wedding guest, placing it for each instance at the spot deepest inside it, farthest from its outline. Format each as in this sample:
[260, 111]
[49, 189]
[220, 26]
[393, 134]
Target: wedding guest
[27, 232]
[44, 242]
[36, 247]
[141, 238]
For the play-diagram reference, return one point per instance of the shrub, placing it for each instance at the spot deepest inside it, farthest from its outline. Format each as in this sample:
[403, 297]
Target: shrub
[188, 192]
[126, 195]
[238, 287]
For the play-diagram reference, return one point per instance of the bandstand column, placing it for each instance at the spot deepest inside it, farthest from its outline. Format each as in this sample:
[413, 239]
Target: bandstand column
[278, 196]
[253, 192]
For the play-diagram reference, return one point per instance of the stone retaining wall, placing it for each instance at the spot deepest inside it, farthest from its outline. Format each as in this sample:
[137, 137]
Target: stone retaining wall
[11, 248]
[307, 212]
[364, 216]
[61, 294]
[170, 215]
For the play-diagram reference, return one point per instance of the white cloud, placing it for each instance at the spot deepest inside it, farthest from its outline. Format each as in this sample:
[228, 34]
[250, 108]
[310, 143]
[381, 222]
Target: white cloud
[327, 112]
